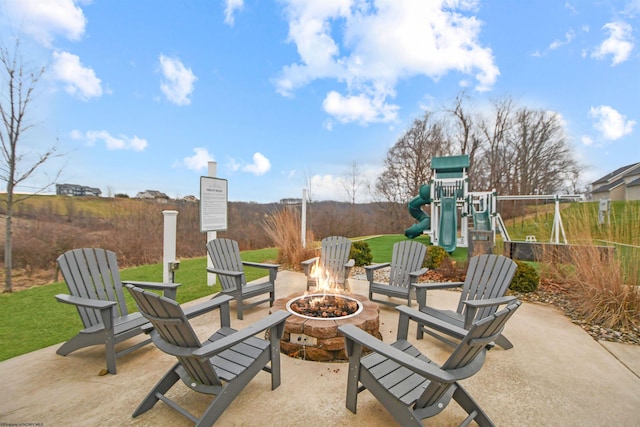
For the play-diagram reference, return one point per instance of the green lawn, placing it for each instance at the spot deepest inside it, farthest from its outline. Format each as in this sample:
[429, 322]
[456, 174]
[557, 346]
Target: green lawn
[32, 319]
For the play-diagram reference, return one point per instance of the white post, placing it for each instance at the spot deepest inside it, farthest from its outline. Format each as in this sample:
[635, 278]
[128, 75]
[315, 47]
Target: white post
[303, 238]
[169, 248]
[211, 277]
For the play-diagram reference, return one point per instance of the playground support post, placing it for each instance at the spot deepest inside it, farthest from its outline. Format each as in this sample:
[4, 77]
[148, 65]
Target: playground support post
[557, 225]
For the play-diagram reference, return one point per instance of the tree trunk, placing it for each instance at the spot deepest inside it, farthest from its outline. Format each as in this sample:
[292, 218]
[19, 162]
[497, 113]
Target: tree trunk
[8, 263]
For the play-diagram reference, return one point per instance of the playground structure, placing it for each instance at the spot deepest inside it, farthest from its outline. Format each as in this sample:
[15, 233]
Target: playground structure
[451, 204]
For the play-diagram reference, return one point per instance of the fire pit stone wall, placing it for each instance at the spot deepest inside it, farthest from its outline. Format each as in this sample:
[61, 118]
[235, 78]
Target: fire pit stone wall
[329, 345]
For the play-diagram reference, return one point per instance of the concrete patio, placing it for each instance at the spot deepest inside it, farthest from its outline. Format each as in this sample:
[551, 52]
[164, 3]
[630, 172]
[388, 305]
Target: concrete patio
[556, 375]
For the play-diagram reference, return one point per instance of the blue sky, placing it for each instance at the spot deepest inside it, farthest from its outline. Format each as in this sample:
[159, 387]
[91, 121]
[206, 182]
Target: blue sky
[281, 93]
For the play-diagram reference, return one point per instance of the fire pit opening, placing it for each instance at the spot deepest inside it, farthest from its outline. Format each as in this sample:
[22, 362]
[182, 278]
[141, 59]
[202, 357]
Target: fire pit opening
[324, 306]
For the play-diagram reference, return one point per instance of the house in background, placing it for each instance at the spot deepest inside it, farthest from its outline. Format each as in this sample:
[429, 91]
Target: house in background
[190, 199]
[77, 190]
[621, 184]
[153, 195]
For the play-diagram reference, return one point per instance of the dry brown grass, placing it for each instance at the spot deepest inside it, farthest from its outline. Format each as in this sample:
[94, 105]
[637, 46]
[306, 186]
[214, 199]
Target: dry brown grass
[284, 227]
[605, 286]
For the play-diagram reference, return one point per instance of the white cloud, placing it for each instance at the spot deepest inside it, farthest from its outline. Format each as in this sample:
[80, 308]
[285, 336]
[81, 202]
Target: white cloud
[358, 108]
[231, 6]
[80, 81]
[632, 8]
[325, 187]
[381, 45]
[122, 142]
[610, 123]
[587, 140]
[200, 159]
[619, 44]
[568, 37]
[260, 165]
[43, 20]
[178, 80]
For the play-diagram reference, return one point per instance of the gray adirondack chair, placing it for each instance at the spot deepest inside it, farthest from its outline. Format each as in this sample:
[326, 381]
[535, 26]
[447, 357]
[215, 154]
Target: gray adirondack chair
[487, 280]
[406, 267]
[95, 288]
[221, 366]
[333, 260]
[227, 264]
[407, 383]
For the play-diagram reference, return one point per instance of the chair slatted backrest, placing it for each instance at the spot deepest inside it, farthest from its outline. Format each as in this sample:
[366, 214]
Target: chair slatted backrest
[407, 256]
[488, 276]
[93, 273]
[225, 255]
[468, 357]
[173, 328]
[334, 254]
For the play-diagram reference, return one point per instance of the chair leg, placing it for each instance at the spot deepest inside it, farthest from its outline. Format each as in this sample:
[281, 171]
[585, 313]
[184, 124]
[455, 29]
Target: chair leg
[419, 333]
[110, 351]
[470, 406]
[165, 383]
[239, 306]
[503, 342]
[77, 342]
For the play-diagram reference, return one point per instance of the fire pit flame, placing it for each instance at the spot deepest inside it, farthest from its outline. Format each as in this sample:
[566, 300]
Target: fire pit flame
[325, 281]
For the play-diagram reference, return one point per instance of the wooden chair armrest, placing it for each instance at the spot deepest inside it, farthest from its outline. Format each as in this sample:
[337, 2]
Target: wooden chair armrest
[415, 274]
[207, 306]
[260, 264]
[489, 302]
[439, 285]
[310, 261]
[85, 302]
[421, 318]
[273, 268]
[306, 265]
[105, 307]
[168, 289]
[272, 321]
[225, 272]
[369, 269]
[474, 305]
[422, 288]
[427, 370]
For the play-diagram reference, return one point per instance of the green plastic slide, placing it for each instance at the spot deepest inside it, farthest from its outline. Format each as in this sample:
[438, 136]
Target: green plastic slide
[448, 232]
[415, 209]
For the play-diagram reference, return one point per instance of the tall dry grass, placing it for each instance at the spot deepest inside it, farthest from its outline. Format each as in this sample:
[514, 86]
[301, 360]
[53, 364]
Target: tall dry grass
[284, 228]
[605, 284]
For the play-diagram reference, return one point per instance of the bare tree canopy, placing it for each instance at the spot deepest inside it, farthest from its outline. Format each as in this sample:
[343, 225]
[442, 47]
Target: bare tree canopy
[514, 150]
[18, 85]
[407, 164]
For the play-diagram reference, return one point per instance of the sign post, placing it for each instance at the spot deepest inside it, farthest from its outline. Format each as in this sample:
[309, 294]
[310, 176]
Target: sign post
[213, 209]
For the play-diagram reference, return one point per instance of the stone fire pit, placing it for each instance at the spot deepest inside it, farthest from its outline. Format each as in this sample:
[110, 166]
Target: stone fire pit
[318, 339]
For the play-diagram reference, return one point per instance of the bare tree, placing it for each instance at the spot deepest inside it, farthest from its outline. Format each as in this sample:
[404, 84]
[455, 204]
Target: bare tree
[407, 164]
[496, 159]
[465, 131]
[542, 156]
[18, 85]
[354, 183]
